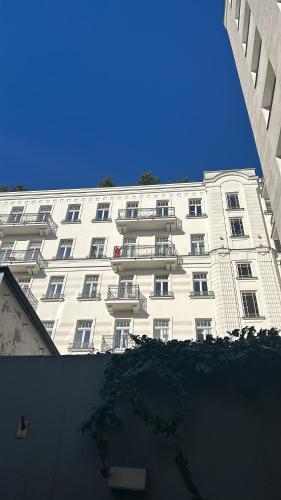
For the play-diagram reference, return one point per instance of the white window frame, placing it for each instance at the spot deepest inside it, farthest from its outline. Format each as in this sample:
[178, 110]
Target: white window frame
[7, 247]
[245, 306]
[163, 329]
[85, 331]
[194, 206]
[203, 330]
[100, 243]
[64, 243]
[201, 279]
[232, 227]
[52, 281]
[162, 208]
[92, 280]
[75, 210]
[195, 240]
[104, 210]
[44, 212]
[15, 215]
[235, 195]
[122, 342]
[132, 208]
[239, 266]
[164, 281]
[45, 322]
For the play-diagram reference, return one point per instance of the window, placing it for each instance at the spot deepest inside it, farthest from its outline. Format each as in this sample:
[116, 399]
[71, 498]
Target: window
[122, 334]
[200, 284]
[55, 287]
[126, 286]
[102, 211]
[73, 213]
[129, 247]
[162, 208]
[246, 26]
[197, 244]
[244, 270]
[203, 329]
[161, 285]
[15, 215]
[24, 283]
[44, 213]
[250, 305]
[132, 209]
[268, 205]
[237, 12]
[268, 94]
[97, 248]
[161, 329]
[49, 327]
[90, 286]
[33, 250]
[256, 56]
[6, 250]
[232, 201]
[82, 335]
[162, 246]
[64, 250]
[195, 207]
[237, 228]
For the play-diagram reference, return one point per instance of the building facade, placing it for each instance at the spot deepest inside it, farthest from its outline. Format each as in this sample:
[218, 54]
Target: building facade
[174, 261]
[254, 29]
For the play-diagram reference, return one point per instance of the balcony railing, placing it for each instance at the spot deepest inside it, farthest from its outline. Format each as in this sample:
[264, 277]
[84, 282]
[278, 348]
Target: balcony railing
[144, 251]
[146, 213]
[111, 343]
[18, 256]
[122, 292]
[28, 219]
[29, 295]
[202, 294]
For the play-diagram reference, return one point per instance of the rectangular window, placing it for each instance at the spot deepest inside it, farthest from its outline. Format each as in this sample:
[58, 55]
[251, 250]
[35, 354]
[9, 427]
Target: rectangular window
[64, 250]
[73, 213]
[250, 305]
[90, 286]
[126, 286]
[161, 285]
[161, 329]
[232, 201]
[24, 283]
[55, 287]
[49, 327]
[132, 209]
[129, 247]
[244, 270]
[237, 12]
[246, 26]
[256, 56]
[97, 248]
[203, 329]
[237, 228]
[268, 93]
[44, 213]
[162, 208]
[15, 215]
[6, 250]
[103, 211]
[268, 206]
[195, 207]
[162, 246]
[33, 250]
[82, 335]
[197, 244]
[200, 284]
[122, 334]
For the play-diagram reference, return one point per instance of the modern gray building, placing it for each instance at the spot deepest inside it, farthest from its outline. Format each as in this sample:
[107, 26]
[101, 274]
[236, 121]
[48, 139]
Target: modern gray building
[254, 29]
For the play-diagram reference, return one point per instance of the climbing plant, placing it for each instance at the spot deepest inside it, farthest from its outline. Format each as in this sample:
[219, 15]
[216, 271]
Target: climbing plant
[242, 361]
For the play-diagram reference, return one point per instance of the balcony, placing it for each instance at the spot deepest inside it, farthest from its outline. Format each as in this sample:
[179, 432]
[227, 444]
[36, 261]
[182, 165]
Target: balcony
[25, 224]
[202, 295]
[23, 261]
[146, 219]
[124, 298]
[144, 257]
[29, 295]
[116, 344]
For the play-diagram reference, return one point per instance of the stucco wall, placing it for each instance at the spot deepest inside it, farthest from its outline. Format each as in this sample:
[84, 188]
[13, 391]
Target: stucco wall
[17, 335]
[234, 445]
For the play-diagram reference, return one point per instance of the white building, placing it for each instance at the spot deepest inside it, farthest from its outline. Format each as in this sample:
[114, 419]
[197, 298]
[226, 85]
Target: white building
[254, 29]
[175, 261]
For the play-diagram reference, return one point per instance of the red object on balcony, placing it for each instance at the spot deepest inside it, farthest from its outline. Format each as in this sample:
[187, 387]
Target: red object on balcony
[117, 252]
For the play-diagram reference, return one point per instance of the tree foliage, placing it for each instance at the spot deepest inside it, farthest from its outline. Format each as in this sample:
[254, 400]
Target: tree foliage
[147, 178]
[184, 368]
[16, 187]
[106, 182]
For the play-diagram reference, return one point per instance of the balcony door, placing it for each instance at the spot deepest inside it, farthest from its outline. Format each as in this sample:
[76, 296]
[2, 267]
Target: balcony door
[132, 209]
[33, 250]
[162, 208]
[162, 246]
[126, 286]
[15, 215]
[6, 250]
[129, 247]
[122, 334]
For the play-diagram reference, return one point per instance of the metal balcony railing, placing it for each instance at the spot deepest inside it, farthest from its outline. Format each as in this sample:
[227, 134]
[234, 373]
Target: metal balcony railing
[23, 256]
[146, 213]
[116, 343]
[123, 292]
[28, 219]
[29, 295]
[144, 251]
[202, 294]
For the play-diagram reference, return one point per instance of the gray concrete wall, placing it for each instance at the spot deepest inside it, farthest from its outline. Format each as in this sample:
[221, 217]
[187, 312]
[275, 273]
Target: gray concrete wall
[17, 334]
[234, 445]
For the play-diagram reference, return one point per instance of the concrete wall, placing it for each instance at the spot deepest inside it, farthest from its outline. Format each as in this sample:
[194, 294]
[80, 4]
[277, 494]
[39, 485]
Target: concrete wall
[233, 443]
[17, 334]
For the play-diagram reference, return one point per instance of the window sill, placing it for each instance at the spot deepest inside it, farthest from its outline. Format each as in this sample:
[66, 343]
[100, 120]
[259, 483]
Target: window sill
[81, 349]
[268, 212]
[203, 216]
[71, 221]
[251, 318]
[245, 278]
[161, 297]
[101, 220]
[209, 295]
[190, 254]
[101, 257]
[52, 299]
[62, 258]
[240, 236]
[88, 298]
[237, 209]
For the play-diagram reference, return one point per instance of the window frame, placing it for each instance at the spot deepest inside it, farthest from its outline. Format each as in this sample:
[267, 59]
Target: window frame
[237, 201]
[73, 211]
[202, 333]
[86, 330]
[196, 242]
[195, 205]
[239, 266]
[162, 328]
[234, 234]
[52, 281]
[104, 211]
[246, 314]
[99, 255]
[66, 248]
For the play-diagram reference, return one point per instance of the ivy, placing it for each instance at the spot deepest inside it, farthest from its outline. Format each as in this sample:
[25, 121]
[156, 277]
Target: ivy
[243, 362]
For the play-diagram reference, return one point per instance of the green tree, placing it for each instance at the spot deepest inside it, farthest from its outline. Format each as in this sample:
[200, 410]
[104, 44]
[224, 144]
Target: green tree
[184, 179]
[106, 182]
[19, 187]
[147, 178]
[3, 189]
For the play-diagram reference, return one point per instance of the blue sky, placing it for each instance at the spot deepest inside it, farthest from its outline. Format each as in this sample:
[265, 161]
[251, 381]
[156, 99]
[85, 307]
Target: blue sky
[96, 88]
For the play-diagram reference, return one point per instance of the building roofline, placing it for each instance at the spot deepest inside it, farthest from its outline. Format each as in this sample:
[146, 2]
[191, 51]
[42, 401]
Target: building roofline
[25, 304]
